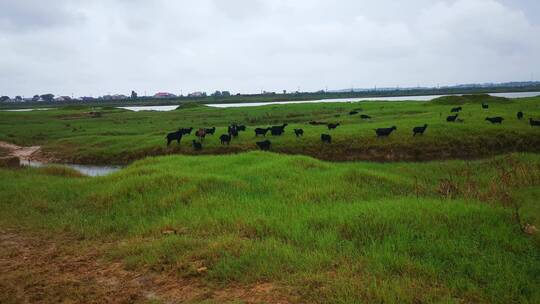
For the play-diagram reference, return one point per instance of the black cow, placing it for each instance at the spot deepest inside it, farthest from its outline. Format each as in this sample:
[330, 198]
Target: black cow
[485, 106]
[332, 126]
[225, 139]
[419, 130]
[353, 112]
[457, 110]
[174, 136]
[197, 145]
[282, 127]
[520, 115]
[384, 132]
[187, 131]
[364, 116]
[325, 138]
[534, 123]
[299, 132]
[452, 118]
[495, 120]
[233, 131]
[264, 145]
[261, 131]
[210, 131]
[278, 130]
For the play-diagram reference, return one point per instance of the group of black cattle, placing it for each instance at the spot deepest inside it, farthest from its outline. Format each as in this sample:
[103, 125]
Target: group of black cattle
[235, 129]
[493, 120]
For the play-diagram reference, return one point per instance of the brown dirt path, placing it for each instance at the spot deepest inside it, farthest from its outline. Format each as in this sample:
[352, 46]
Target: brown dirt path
[24, 153]
[37, 269]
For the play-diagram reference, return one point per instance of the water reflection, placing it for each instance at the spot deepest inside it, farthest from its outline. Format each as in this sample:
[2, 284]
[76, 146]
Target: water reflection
[84, 169]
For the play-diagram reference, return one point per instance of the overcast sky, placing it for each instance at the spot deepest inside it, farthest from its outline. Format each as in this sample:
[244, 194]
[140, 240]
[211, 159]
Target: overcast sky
[113, 46]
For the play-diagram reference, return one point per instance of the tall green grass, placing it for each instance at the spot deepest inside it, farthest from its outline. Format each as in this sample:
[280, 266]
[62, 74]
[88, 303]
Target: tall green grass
[335, 233]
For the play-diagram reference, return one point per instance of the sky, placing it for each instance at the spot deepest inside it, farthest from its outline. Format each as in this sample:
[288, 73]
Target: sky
[91, 48]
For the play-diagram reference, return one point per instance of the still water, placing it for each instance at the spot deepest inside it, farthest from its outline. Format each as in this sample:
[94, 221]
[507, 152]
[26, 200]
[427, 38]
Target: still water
[256, 104]
[84, 169]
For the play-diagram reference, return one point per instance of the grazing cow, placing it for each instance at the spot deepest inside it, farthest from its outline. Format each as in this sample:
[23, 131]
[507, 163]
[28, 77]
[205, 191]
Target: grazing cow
[264, 145]
[201, 134]
[534, 123]
[283, 126]
[225, 139]
[457, 110]
[353, 112]
[241, 128]
[299, 132]
[485, 106]
[419, 130]
[520, 115]
[261, 131]
[187, 131]
[452, 118]
[325, 138]
[495, 120]
[364, 116]
[332, 126]
[233, 131]
[197, 145]
[174, 136]
[278, 130]
[317, 123]
[210, 131]
[384, 132]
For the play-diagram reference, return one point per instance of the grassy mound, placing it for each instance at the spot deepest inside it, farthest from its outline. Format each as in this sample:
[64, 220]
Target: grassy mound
[469, 99]
[347, 233]
[190, 105]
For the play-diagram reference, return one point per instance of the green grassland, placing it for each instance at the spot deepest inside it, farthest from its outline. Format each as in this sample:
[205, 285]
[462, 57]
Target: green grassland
[120, 137]
[332, 232]
[424, 230]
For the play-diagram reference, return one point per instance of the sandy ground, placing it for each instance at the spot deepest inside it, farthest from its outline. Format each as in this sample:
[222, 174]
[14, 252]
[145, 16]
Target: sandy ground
[24, 153]
[38, 269]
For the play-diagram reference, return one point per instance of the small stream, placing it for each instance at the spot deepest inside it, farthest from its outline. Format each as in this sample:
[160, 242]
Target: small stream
[84, 169]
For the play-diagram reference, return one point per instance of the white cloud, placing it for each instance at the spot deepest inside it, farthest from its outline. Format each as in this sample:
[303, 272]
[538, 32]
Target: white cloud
[95, 47]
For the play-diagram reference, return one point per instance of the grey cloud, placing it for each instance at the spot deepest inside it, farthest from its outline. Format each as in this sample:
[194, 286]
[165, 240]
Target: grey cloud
[95, 47]
[25, 15]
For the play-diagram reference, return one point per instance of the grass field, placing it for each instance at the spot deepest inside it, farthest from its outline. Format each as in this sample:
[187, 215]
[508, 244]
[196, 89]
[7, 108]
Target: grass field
[326, 232]
[436, 231]
[120, 137]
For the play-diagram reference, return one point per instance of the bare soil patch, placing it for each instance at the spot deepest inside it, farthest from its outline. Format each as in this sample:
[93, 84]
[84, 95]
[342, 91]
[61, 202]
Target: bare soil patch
[24, 153]
[61, 269]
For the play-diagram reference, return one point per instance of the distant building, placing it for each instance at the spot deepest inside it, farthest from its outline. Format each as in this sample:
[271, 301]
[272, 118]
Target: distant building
[197, 94]
[114, 97]
[62, 99]
[164, 95]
